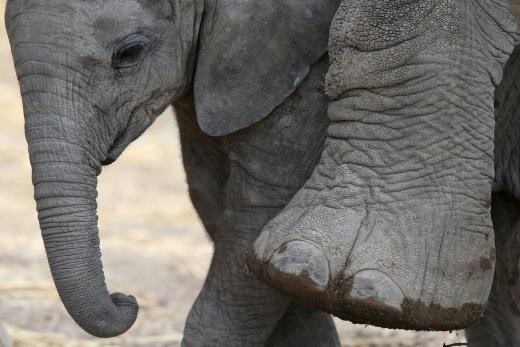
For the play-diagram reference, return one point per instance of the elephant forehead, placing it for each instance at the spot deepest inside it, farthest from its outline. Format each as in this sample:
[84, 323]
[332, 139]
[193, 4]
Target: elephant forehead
[104, 19]
[80, 31]
[115, 18]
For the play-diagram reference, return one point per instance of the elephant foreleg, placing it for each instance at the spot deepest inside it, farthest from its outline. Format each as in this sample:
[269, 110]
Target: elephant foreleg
[304, 326]
[237, 184]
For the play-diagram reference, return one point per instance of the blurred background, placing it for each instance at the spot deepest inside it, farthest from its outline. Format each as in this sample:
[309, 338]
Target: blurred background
[153, 244]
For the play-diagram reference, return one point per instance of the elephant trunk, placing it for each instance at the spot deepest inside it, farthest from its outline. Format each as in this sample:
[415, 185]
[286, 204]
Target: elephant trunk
[69, 138]
[64, 171]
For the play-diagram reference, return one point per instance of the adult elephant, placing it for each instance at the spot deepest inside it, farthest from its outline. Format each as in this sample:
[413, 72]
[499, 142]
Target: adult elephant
[246, 81]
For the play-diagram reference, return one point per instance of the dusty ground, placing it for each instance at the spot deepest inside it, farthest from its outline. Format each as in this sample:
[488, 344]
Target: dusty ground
[153, 244]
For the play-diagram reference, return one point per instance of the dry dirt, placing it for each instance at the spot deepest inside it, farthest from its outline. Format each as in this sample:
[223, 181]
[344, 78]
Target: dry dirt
[153, 244]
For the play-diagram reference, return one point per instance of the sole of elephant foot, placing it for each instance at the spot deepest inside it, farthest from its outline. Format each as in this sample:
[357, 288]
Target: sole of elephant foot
[360, 302]
[381, 275]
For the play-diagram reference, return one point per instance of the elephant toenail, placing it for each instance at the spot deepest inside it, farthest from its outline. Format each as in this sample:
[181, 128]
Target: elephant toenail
[375, 286]
[302, 262]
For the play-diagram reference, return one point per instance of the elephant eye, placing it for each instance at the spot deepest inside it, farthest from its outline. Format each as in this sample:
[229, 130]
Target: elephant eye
[130, 52]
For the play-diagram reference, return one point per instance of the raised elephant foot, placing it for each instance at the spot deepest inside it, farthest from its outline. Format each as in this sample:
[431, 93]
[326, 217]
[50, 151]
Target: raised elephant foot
[379, 274]
[393, 228]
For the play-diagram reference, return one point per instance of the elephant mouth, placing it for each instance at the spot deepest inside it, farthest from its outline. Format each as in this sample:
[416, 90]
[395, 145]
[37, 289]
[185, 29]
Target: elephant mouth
[108, 161]
[119, 145]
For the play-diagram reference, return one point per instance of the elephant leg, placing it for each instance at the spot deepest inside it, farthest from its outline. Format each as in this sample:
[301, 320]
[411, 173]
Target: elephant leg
[500, 326]
[237, 184]
[232, 308]
[376, 234]
[304, 326]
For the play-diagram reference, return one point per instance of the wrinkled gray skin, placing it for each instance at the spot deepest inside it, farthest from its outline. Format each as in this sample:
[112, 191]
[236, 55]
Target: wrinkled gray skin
[223, 72]
[404, 182]
[95, 74]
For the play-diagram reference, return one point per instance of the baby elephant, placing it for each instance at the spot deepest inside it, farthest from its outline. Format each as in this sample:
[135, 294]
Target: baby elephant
[379, 213]
[95, 74]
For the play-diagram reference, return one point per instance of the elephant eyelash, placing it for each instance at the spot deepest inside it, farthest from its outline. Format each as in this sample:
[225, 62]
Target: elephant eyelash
[132, 50]
[129, 55]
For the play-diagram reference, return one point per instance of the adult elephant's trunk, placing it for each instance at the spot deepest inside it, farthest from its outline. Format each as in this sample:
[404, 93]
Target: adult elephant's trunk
[65, 156]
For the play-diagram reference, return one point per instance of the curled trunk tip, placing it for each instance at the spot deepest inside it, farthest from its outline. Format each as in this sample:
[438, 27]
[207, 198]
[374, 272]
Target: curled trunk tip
[116, 320]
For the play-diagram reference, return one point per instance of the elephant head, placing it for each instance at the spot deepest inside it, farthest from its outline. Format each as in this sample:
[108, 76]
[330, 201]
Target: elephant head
[95, 74]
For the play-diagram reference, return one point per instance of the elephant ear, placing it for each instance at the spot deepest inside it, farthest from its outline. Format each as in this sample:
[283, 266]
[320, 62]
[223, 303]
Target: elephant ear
[254, 54]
